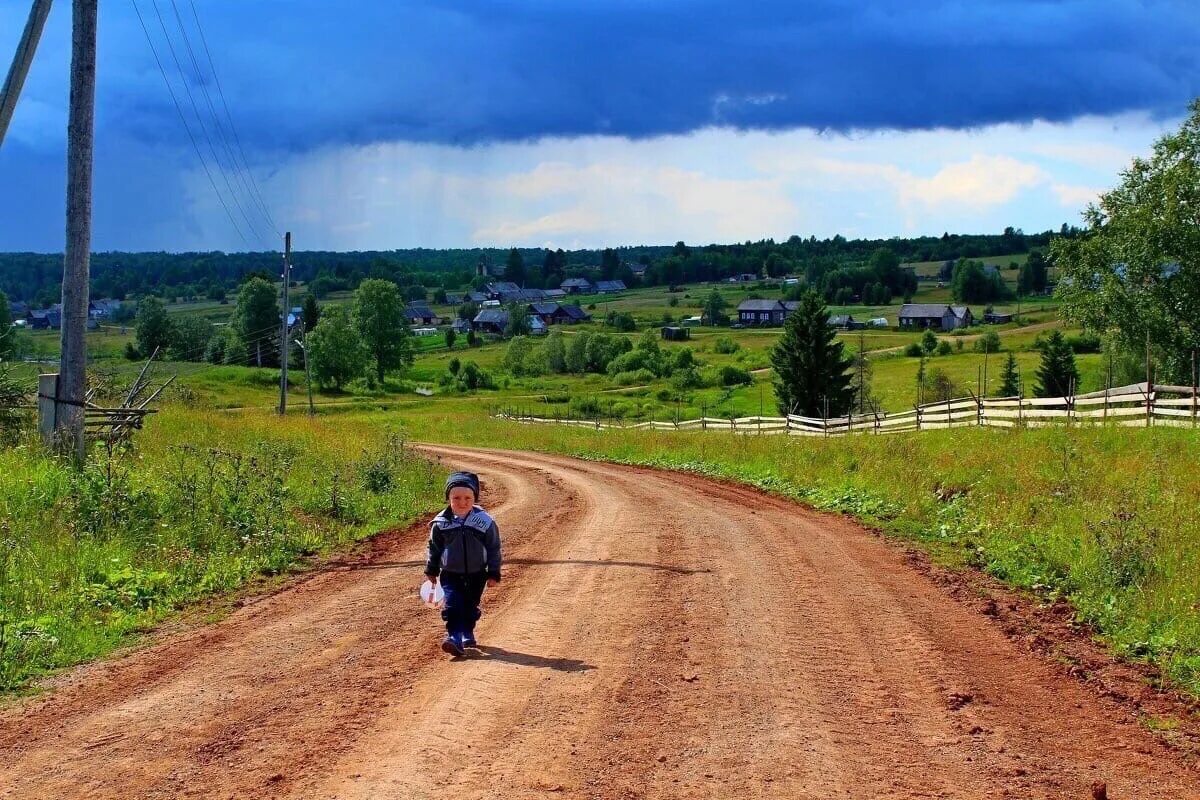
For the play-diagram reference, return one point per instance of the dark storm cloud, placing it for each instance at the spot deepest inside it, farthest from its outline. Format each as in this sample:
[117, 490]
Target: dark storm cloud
[305, 73]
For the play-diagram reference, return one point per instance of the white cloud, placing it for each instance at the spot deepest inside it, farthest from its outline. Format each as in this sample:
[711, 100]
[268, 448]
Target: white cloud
[1075, 196]
[980, 182]
[713, 185]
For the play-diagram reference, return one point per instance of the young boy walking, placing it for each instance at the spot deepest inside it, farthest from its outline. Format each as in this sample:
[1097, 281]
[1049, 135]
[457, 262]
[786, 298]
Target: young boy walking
[464, 553]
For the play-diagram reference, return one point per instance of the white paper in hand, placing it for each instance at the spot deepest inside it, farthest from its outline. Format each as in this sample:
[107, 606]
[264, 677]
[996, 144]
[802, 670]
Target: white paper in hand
[432, 595]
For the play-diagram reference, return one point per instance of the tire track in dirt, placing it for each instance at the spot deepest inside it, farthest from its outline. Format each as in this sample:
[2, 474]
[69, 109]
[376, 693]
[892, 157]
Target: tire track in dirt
[657, 635]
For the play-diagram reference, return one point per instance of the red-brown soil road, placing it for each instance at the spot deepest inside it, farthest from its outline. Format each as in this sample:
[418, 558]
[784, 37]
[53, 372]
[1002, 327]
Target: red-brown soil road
[656, 635]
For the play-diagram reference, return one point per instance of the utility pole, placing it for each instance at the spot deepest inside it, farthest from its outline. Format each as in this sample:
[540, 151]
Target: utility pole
[312, 411]
[21, 61]
[80, 128]
[283, 340]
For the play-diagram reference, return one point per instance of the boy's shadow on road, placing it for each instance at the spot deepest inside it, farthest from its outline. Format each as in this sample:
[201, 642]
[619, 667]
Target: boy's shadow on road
[489, 653]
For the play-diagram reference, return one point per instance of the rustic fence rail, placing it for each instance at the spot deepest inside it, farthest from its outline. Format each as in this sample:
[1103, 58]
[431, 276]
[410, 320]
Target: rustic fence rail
[1136, 405]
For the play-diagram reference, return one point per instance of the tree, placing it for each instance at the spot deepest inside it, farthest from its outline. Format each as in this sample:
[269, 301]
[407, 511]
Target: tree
[451, 336]
[190, 342]
[714, 307]
[256, 319]
[973, 283]
[811, 369]
[518, 351]
[1010, 378]
[518, 321]
[1057, 376]
[1134, 274]
[467, 311]
[609, 264]
[576, 358]
[556, 353]
[8, 334]
[336, 353]
[311, 313]
[988, 343]
[929, 342]
[1037, 270]
[514, 269]
[154, 327]
[378, 316]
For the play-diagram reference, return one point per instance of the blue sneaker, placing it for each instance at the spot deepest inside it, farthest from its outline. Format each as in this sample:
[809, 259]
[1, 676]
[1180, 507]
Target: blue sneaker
[468, 640]
[452, 644]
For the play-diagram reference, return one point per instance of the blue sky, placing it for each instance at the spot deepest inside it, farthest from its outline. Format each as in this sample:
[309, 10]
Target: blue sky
[551, 122]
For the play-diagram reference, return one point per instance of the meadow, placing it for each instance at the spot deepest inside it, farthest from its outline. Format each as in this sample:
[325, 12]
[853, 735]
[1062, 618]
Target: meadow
[202, 503]
[218, 491]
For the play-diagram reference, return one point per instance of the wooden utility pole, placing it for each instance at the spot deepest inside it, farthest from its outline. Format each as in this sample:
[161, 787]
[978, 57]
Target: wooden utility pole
[80, 127]
[283, 340]
[312, 411]
[21, 61]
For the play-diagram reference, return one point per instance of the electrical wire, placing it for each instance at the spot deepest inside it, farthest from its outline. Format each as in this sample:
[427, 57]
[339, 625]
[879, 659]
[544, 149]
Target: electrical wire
[183, 119]
[238, 172]
[233, 128]
[200, 122]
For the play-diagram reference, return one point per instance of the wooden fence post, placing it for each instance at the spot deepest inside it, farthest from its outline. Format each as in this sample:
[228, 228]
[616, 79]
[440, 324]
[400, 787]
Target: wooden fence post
[47, 407]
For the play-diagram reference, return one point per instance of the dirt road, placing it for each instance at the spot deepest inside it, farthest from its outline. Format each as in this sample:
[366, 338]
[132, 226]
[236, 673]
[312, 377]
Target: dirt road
[656, 636]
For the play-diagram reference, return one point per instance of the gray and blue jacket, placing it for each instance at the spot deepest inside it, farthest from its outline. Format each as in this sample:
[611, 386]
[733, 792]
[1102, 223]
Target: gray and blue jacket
[467, 546]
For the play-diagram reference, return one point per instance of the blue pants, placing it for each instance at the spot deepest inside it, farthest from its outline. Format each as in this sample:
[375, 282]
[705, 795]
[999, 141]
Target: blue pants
[463, 593]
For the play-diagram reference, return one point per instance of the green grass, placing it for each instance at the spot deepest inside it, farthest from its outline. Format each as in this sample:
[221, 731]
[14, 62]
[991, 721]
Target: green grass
[204, 502]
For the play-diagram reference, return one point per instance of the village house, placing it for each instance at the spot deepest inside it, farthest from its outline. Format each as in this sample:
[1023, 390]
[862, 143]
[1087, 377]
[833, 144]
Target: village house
[841, 321]
[549, 313]
[497, 290]
[458, 298]
[576, 286]
[609, 287]
[537, 327]
[103, 308]
[522, 296]
[761, 312]
[491, 320]
[574, 314]
[417, 313]
[461, 326]
[997, 317]
[934, 315]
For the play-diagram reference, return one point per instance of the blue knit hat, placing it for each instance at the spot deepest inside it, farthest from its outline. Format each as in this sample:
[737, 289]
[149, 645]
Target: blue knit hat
[467, 480]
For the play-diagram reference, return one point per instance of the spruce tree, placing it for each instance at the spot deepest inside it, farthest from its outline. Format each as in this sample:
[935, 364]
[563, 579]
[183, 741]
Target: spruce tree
[1010, 379]
[1057, 375]
[811, 368]
[311, 313]
[514, 270]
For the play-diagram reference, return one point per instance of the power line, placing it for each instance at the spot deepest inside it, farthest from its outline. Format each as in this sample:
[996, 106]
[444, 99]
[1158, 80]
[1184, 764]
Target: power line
[200, 122]
[237, 139]
[238, 171]
[187, 127]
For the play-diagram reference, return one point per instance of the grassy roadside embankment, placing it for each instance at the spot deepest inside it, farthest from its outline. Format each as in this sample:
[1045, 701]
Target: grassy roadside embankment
[206, 502]
[1103, 517]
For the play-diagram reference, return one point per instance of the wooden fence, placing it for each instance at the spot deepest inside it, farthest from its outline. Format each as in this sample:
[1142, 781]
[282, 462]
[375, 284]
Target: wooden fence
[1136, 405]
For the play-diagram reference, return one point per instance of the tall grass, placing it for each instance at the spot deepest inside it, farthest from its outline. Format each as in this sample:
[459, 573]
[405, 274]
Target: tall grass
[1104, 517]
[203, 502]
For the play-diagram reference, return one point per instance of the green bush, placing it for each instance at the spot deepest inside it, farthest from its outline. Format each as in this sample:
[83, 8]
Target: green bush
[725, 345]
[1084, 343]
[735, 376]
